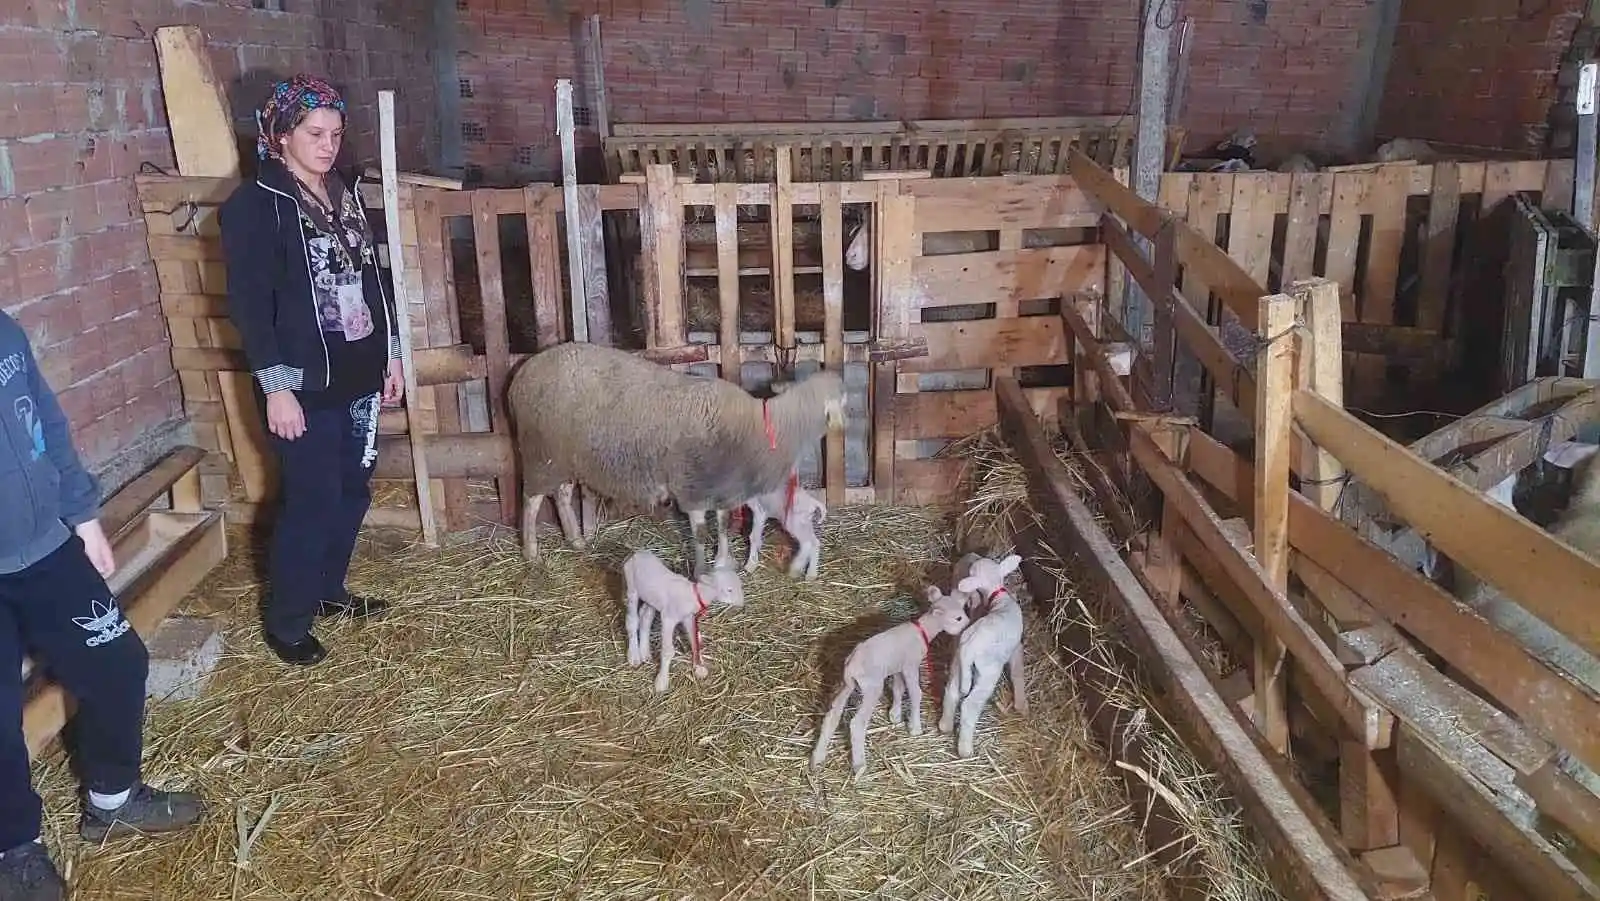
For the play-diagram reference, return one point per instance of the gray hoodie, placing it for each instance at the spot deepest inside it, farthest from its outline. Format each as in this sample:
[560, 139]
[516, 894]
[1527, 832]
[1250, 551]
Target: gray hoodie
[43, 485]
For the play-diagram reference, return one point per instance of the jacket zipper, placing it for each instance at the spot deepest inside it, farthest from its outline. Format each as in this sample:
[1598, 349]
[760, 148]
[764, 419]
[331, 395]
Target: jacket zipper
[305, 254]
[390, 327]
[27, 478]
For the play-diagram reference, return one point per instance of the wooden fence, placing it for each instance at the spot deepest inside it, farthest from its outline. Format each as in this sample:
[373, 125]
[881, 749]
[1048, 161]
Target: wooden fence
[1442, 730]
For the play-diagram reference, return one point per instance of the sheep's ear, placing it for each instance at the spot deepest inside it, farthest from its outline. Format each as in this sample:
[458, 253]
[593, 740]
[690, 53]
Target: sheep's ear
[1009, 564]
[932, 593]
[969, 584]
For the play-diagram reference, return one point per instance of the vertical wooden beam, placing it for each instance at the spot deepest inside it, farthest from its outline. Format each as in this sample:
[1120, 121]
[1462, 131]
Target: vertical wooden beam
[662, 222]
[496, 339]
[544, 259]
[1165, 350]
[727, 214]
[1150, 145]
[402, 305]
[569, 184]
[782, 212]
[833, 328]
[597, 86]
[592, 251]
[1275, 370]
[898, 243]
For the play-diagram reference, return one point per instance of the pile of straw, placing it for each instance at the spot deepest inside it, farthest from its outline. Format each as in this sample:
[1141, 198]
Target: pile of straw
[487, 740]
[1000, 506]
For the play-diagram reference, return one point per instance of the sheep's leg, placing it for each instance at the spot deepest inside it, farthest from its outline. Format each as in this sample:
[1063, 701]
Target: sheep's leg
[530, 526]
[870, 694]
[724, 552]
[972, 705]
[830, 723]
[896, 688]
[697, 553]
[758, 524]
[568, 516]
[669, 625]
[1019, 689]
[952, 694]
[591, 514]
[913, 683]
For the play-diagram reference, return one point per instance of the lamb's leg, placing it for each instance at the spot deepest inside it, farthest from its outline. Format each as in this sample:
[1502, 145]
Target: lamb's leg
[668, 627]
[697, 553]
[647, 618]
[631, 625]
[568, 516]
[913, 683]
[530, 526]
[952, 694]
[972, 705]
[830, 723]
[1019, 688]
[870, 693]
[758, 524]
[591, 514]
[896, 689]
[699, 667]
[805, 556]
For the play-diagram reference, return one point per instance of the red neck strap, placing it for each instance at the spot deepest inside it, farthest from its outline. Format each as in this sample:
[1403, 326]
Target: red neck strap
[927, 648]
[988, 602]
[700, 602]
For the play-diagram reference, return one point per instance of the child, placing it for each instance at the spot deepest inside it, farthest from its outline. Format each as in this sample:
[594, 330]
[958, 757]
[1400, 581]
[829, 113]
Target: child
[54, 604]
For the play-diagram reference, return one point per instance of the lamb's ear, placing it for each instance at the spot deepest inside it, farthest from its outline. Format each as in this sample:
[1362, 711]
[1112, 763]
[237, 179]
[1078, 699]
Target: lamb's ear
[1009, 564]
[932, 593]
[969, 584]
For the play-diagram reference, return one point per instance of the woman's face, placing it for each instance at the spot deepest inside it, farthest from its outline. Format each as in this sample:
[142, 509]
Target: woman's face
[314, 143]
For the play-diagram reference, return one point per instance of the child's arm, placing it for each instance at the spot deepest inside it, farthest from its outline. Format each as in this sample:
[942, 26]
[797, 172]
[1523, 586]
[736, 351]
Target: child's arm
[80, 493]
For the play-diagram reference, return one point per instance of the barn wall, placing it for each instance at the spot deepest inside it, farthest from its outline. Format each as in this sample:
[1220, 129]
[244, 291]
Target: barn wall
[1282, 67]
[1479, 73]
[81, 108]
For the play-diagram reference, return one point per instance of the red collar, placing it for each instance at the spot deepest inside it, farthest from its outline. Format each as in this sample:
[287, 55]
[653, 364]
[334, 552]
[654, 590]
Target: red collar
[700, 601]
[927, 648]
[988, 602]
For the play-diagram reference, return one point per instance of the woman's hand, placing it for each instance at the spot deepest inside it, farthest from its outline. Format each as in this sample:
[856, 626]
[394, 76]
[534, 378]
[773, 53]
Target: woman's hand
[394, 384]
[97, 548]
[284, 416]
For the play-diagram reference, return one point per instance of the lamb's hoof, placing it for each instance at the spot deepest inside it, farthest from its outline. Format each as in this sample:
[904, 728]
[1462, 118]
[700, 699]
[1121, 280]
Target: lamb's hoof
[660, 686]
[964, 751]
[857, 771]
[749, 568]
[913, 730]
[701, 672]
[1021, 707]
[944, 727]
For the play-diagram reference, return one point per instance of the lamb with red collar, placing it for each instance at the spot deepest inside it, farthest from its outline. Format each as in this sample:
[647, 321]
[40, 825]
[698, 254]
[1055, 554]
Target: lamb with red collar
[898, 652]
[654, 588]
[991, 644]
[799, 513]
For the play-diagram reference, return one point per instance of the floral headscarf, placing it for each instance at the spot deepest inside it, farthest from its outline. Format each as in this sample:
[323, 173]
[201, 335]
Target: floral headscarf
[289, 103]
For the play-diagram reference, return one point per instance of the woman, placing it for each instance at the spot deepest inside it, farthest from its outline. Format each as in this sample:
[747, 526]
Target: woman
[320, 336]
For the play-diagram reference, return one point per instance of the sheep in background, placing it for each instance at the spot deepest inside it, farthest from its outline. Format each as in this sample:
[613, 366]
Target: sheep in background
[652, 588]
[1297, 162]
[799, 513]
[859, 251]
[991, 644]
[641, 433]
[898, 651]
[1402, 150]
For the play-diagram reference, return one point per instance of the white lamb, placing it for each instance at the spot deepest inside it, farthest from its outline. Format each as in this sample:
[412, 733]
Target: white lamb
[799, 513]
[898, 652]
[991, 644]
[680, 601]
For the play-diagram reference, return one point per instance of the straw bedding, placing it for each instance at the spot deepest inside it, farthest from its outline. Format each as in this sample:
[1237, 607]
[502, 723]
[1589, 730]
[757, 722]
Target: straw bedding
[486, 740]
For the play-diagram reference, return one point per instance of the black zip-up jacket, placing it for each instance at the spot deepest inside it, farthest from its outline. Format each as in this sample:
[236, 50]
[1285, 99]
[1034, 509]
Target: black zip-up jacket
[270, 297]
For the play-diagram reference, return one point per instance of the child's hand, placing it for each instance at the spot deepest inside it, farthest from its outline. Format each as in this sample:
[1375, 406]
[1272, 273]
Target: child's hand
[394, 384]
[284, 415]
[97, 548]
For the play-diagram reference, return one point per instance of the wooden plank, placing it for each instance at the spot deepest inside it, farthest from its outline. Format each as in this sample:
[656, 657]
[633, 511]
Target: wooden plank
[1438, 246]
[185, 248]
[664, 230]
[247, 429]
[1275, 370]
[1251, 219]
[496, 338]
[956, 414]
[1006, 202]
[1300, 231]
[898, 244]
[1350, 192]
[196, 104]
[143, 490]
[1306, 861]
[782, 211]
[1561, 709]
[832, 213]
[1533, 568]
[981, 343]
[727, 218]
[592, 243]
[1564, 800]
[1007, 277]
[577, 265]
[929, 482]
[544, 259]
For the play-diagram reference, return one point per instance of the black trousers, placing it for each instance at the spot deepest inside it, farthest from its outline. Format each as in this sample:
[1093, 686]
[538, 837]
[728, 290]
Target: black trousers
[324, 490]
[60, 612]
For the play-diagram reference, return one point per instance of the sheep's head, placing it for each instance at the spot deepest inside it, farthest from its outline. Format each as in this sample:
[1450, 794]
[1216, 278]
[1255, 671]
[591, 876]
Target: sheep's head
[947, 612]
[985, 576]
[721, 585]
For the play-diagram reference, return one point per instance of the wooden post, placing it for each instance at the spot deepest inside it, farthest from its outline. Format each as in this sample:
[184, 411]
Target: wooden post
[569, 185]
[1275, 371]
[782, 212]
[1150, 144]
[402, 307]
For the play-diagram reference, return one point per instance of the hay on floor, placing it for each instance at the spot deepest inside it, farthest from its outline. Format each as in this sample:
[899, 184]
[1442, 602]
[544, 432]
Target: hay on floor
[487, 740]
[1000, 505]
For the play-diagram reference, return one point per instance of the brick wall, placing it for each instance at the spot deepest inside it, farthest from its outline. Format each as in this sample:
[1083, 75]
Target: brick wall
[81, 109]
[1477, 72]
[1281, 66]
